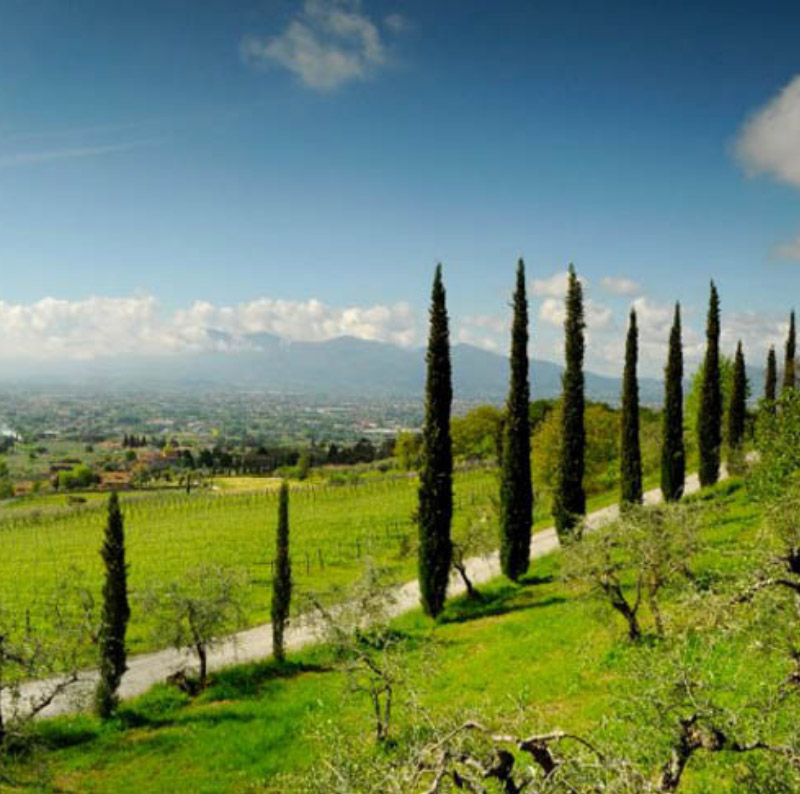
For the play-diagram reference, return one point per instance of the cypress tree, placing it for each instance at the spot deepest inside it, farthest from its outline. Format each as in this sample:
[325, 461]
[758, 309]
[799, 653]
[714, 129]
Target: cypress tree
[516, 491]
[115, 612]
[738, 408]
[630, 447]
[771, 381]
[282, 577]
[791, 352]
[709, 415]
[435, 511]
[569, 503]
[673, 450]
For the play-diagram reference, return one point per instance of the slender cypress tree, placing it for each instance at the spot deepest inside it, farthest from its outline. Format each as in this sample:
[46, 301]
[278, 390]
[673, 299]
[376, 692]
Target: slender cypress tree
[282, 576]
[569, 503]
[737, 411]
[791, 353]
[709, 415]
[673, 449]
[516, 491]
[771, 382]
[435, 511]
[116, 612]
[630, 446]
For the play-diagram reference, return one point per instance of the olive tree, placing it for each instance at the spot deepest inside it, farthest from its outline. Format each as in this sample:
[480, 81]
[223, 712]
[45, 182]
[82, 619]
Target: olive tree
[630, 563]
[198, 612]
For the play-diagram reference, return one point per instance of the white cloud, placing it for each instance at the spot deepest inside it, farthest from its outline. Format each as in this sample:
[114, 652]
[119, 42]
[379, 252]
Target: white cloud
[102, 326]
[769, 141]
[329, 43]
[554, 286]
[469, 336]
[598, 316]
[491, 322]
[788, 250]
[757, 331]
[621, 286]
[488, 331]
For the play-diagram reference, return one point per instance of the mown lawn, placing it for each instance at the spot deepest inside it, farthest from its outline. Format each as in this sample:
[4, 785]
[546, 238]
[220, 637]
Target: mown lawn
[540, 644]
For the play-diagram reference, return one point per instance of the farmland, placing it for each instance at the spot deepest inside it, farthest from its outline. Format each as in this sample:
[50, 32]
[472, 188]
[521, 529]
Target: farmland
[334, 528]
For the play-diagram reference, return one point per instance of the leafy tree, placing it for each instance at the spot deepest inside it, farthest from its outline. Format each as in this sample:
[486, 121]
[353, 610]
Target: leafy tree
[569, 503]
[282, 578]
[116, 612]
[540, 410]
[737, 412]
[478, 433]
[197, 612]
[673, 460]
[771, 381]
[602, 457]
[373, 655]
[709, 417]
[516, 489]
[27, 653]
[407, 449]
[778, 444]
[435, 510]
[79, 477]
[631, 450]
[650, 546]
[791, 353]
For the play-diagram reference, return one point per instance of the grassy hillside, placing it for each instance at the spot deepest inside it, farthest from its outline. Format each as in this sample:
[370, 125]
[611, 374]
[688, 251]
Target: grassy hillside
[537, 646]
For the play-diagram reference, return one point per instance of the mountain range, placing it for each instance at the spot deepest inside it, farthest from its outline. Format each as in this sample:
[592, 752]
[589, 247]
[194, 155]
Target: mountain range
[344, 366]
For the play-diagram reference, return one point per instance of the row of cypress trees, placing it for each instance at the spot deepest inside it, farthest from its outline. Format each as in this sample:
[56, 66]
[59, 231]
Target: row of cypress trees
[569, 504]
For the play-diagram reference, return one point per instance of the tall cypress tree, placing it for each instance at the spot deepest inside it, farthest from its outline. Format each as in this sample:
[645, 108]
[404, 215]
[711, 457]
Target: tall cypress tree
[282, 576]
[737, 412]
[630, 446]
[791, 353]
[673, 449]
[569, 502]
[709, 416]
[116, 612]
[435, 511]
[771, 381]
[516, 491]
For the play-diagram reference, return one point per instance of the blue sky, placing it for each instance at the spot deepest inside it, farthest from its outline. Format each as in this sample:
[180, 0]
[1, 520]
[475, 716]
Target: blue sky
[300, 167]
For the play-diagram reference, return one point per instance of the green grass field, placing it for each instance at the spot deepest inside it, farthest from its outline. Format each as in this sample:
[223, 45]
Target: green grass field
[538, 643]
[334, 528]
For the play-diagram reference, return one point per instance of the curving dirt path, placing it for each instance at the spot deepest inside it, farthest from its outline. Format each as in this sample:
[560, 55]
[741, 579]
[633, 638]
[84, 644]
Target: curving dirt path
[147, 669]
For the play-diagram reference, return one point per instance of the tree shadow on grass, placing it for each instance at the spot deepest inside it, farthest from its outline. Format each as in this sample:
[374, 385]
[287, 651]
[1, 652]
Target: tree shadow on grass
[531, 580]
[165, 705]
[498, 601]
[249, 680]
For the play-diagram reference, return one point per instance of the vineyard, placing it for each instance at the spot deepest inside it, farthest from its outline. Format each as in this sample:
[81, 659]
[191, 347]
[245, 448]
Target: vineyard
[334, 529]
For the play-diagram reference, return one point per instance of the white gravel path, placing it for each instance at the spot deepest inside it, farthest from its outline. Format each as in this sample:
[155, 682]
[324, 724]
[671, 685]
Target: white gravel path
[147, 669]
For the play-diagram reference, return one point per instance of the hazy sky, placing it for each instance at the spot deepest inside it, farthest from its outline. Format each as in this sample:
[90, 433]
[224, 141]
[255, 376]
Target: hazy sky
[168, 167]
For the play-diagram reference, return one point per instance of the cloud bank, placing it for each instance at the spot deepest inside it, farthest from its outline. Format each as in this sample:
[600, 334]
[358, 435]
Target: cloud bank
[100, 327]
[97, 327]
[327, 44]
